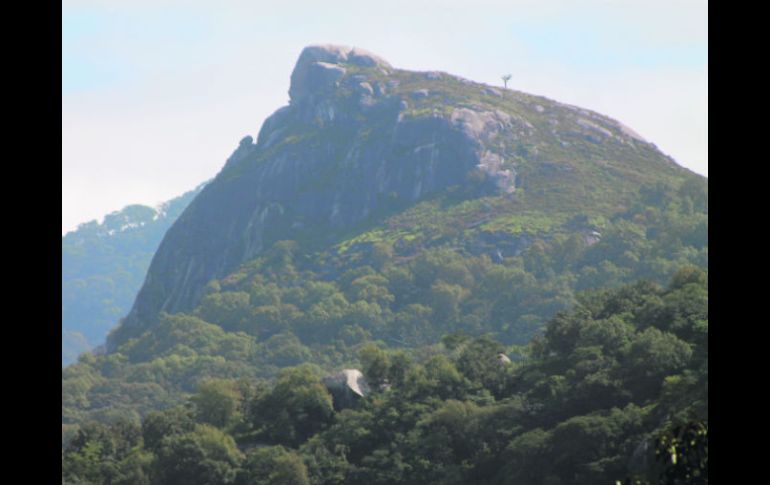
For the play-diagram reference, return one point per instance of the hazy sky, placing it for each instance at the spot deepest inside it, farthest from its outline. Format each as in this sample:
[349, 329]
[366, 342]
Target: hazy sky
[157, 94]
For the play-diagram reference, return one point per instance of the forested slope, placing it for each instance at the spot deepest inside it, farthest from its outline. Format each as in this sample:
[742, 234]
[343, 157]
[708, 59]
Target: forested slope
[585, 403]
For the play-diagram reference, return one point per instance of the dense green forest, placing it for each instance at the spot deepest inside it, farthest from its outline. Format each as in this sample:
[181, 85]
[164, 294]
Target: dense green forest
[585, 402]
[242, 370]
[103, 266]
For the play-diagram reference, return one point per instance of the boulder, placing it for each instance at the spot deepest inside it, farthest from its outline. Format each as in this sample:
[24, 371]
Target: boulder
[316, 78]
[480, 125]
[346, 386]
[365, 89]
[320, 65]
[364, 58]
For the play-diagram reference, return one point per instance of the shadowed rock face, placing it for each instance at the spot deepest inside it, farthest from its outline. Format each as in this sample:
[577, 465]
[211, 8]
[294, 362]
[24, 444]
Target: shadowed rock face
[353, 142]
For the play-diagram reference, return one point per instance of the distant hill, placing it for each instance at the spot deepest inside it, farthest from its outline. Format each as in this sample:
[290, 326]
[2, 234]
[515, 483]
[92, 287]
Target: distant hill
[103, 267]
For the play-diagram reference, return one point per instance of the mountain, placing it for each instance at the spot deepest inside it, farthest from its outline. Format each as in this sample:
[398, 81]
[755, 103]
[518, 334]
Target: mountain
[103, 267]
[361, 140]
[414, 226]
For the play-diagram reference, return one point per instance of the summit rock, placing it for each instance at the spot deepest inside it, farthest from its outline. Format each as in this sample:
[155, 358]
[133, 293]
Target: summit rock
[321, 66]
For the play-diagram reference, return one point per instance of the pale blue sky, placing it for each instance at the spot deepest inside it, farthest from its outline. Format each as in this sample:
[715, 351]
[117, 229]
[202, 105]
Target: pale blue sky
[155, 95]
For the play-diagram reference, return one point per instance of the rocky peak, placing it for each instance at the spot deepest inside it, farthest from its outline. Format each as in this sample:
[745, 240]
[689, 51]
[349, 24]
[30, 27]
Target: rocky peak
[320, 67]
[361, 138]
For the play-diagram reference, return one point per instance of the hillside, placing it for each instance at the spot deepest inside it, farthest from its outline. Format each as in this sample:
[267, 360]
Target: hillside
[103, 267]
[411, 224]
[616, 391]
[361, 141]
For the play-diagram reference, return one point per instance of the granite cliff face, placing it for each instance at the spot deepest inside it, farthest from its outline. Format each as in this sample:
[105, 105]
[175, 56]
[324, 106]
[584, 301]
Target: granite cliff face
[359, 138]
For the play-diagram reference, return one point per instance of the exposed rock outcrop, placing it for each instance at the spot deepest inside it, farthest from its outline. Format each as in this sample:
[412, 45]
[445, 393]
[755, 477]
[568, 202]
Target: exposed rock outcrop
[318, 68]
[346, 387]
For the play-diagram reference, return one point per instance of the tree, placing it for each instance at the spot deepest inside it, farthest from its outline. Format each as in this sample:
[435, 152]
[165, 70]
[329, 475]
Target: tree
[203, 456]
[655, 354]
[526, 458]
[160, 424]
[217, 402]
[505, 79]
[437, 378]
[413, 324]
[371, 288]
[230, 309]
[445, 299]
[273, 465]
[105, 454]
[297, 407]
[479, 363]
[375, 364]
[697, 190]
[684, 451]
[284, 350]
[382, 254]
